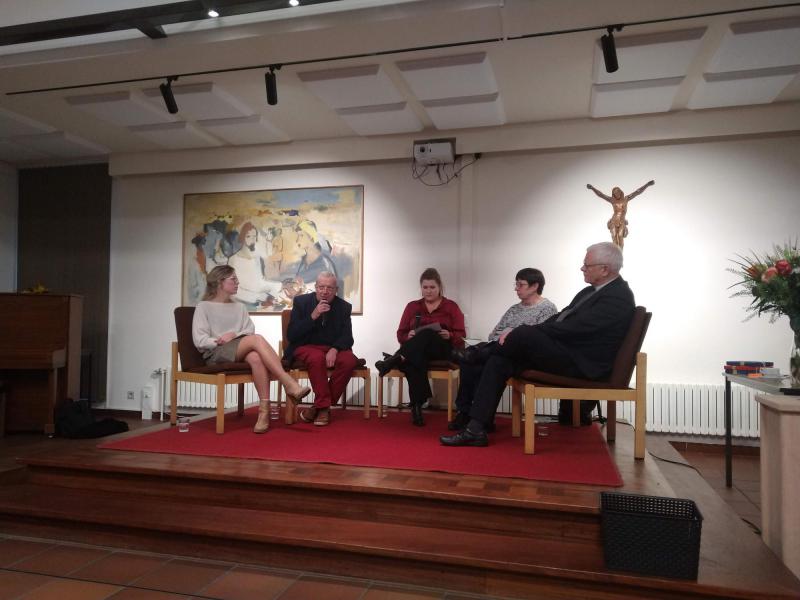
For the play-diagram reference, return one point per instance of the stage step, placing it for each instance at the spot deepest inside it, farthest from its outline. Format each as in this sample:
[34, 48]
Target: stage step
[395, 499]
[298, 529]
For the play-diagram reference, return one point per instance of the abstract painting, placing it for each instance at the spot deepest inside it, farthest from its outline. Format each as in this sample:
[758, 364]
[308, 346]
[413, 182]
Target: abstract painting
[277, 240]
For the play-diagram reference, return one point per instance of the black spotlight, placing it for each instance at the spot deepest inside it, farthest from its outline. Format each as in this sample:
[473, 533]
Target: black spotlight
[272, 85]
[169, 97]
[610, 49]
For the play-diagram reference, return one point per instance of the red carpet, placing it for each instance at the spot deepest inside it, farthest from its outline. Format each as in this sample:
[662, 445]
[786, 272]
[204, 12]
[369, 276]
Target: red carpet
[567, 454]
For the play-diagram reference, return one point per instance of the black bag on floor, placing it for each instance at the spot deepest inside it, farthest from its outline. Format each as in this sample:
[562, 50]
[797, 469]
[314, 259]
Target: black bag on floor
[74, 419]
[565, 411]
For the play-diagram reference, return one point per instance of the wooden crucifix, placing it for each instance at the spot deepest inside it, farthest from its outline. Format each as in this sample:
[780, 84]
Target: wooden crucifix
[617, 224]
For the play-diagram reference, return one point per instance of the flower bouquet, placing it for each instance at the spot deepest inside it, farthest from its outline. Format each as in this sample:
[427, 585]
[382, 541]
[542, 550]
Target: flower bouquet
[772, 282]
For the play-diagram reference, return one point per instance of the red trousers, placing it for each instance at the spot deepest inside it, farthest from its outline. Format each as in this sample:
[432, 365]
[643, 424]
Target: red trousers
[326, 390]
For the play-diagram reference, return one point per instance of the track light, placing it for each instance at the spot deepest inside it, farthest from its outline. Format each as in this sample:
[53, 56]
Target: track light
[294, 2]
[212, 13]
[610, 49]
[169, 97]
[272, 85]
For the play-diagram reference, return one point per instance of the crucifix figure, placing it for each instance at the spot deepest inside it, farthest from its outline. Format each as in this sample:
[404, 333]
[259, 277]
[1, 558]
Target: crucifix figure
[617, 224]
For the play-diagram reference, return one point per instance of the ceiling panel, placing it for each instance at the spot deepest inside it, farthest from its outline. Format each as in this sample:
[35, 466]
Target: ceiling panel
[121, 108]
[472, 111]
[244, 130]
[176, 136]
[633, 97]
[381, 120]
[12, 124]
[12, 153]
[739, 88]
[758, 45]
[652, 56]
[449, 76]
[354, 86]
[61, 144]
[200, 101]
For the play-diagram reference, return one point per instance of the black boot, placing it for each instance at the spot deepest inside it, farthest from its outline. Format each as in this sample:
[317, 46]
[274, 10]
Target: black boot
[388, 363]
[416, 415]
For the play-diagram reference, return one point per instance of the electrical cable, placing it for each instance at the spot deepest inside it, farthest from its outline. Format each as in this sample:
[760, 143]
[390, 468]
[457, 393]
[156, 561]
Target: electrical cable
[444, 178]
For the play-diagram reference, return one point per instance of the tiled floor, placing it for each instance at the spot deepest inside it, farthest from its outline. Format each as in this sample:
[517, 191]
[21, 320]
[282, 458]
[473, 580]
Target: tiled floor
[744, 495]
[50, 570]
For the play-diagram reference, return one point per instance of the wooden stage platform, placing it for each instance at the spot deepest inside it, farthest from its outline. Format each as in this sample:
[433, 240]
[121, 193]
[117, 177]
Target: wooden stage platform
[503, 537]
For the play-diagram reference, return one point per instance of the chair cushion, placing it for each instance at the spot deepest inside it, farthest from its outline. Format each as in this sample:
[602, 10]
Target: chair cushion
[229, 368]
[442, 365]
[553, 380]
[296, 363]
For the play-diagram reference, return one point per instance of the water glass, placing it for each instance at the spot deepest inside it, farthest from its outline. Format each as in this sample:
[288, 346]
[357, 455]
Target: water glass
[274, 411]
[542, 429]
[183, 424]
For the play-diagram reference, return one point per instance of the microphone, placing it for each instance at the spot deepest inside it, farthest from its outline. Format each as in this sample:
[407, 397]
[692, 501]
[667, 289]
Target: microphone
[417, 319]
[323, 315]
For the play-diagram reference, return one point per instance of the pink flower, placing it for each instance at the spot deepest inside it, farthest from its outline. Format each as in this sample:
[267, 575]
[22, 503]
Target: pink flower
[769, 274]
[783, 267]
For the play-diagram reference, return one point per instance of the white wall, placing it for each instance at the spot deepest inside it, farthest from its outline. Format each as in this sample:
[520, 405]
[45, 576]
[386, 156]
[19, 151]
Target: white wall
[9, 200]
[710, 201]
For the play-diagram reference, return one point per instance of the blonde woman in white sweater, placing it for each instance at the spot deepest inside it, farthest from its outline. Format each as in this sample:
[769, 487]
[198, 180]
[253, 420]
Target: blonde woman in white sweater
[223, 332]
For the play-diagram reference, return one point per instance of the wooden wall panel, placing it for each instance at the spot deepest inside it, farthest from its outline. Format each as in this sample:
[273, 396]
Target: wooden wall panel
[64, 244]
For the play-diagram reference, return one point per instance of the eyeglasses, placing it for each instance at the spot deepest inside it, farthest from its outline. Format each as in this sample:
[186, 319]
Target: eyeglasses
[585, 266]
[325, 288]
[521, 284]
[233, 278]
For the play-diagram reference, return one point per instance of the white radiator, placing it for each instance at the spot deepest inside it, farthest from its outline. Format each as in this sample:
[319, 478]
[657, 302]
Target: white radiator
[680, 408]
[198, 395]
[698, 409]
[671, 408]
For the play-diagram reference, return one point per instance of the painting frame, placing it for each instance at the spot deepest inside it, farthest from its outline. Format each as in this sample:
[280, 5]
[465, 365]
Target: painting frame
[278, 240]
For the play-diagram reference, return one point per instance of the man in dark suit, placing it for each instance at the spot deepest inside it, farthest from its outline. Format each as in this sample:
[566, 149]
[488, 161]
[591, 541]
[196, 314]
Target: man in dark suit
[321, 335]
[580, 341]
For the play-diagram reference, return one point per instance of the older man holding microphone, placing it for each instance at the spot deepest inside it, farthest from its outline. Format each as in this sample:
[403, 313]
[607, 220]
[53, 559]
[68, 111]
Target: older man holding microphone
[321, 335]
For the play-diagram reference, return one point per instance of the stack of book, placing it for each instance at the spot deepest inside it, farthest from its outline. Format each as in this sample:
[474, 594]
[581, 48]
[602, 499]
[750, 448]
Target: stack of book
[746, 367]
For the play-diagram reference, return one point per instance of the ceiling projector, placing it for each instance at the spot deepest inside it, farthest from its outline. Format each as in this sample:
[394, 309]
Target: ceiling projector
[434, 152]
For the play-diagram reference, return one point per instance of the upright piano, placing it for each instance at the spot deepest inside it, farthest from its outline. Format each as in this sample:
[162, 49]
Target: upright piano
[40, 357]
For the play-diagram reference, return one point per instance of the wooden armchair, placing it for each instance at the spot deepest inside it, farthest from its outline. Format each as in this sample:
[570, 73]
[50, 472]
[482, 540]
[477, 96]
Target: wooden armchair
[538, 384]
[298, 370]
[437, 369]
[193, 369]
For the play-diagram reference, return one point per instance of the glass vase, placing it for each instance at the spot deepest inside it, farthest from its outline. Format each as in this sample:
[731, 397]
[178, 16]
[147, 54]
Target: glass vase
[794, 360]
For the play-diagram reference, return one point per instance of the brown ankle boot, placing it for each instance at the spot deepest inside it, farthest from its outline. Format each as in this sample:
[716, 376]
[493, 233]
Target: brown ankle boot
[262, 425]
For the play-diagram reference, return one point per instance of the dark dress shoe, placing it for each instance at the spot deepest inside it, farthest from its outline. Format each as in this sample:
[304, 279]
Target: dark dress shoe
[458, 356]
[465, 438]
[459, 423]
[416, 415]
[387, 364]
